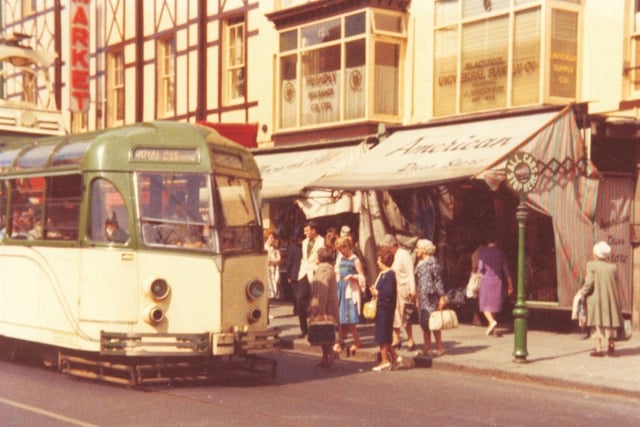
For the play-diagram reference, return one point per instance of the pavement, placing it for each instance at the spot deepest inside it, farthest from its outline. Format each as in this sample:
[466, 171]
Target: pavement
[559, 357]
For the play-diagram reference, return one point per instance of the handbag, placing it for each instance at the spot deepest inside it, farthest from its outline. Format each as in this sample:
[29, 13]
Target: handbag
[321, 330]
[473, 286]
[443, 319]
[410, 314]
[369, 308]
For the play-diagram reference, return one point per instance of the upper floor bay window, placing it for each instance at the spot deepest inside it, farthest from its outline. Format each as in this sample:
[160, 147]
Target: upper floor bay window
[234, 80]
[115, 87]
[345, 68]
[166, 79]
[634, 69]
[493, 54]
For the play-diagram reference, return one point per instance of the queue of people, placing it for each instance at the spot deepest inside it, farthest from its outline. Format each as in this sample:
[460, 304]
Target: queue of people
[328, 271]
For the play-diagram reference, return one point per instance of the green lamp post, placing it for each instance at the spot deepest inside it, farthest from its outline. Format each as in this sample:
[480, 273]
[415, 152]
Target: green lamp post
[522, 177]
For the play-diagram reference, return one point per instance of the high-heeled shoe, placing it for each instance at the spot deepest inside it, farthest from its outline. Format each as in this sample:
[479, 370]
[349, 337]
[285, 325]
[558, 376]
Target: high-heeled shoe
[351, 351]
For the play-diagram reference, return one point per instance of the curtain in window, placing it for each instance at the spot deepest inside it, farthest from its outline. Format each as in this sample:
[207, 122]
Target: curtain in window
[387, 82]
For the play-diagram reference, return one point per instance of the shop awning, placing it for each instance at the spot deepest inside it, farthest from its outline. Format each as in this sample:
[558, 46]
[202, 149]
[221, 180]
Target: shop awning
[436, 154]
[287, 173]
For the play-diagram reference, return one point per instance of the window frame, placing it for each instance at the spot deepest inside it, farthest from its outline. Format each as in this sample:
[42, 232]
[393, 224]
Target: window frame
[451, 19]
[116, 108]
[232, 43]
[292, 91]
[166, 79]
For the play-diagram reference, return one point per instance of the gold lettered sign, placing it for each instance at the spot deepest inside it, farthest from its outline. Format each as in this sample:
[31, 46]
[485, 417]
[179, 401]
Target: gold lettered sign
[522, 172]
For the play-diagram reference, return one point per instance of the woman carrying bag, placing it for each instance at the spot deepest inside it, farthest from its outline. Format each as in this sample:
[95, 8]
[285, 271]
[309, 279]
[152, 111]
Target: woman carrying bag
[386, 293]
[324, 302]
[430, 291]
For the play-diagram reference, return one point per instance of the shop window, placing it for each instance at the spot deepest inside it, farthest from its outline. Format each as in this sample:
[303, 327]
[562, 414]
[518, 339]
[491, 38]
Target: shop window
[166, 52]
[564, 53]
[115, 87]
[234, 80]
[488, 54]
[324, 74]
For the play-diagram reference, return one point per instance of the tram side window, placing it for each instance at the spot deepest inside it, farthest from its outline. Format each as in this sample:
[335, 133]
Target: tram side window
[108, 219]
[27, 196]
[3, 210]
[62, 207]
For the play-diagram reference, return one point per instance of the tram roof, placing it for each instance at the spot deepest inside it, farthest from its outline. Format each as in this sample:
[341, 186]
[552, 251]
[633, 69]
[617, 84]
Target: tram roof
[142, 146]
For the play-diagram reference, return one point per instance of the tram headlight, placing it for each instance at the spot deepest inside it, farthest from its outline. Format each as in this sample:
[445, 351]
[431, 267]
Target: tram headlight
[255, 289]
[153, 315]
[157, 288]
[254, 314]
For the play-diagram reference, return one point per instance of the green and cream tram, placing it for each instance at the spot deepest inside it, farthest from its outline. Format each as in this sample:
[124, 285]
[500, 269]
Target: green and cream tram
[134, 254]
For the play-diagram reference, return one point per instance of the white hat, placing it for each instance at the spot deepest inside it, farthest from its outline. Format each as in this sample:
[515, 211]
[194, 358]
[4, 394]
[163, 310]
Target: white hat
[345, 231]
[426, 245]
[602, 250]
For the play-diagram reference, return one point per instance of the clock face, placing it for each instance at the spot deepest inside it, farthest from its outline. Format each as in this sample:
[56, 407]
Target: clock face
[522, 172]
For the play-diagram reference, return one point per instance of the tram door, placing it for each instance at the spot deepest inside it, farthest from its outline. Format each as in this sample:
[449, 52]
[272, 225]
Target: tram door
[108, 263]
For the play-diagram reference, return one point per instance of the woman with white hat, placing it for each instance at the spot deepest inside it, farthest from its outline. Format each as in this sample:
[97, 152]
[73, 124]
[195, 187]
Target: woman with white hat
[603, 306]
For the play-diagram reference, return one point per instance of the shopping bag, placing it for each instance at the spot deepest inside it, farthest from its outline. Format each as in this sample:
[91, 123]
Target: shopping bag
[321, 329]
[410, 314]
[369, 309]
[473, 286]
[443, 319]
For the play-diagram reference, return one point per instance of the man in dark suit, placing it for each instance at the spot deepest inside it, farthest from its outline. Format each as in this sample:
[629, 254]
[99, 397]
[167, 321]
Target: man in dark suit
[308, 265]
[292, 265]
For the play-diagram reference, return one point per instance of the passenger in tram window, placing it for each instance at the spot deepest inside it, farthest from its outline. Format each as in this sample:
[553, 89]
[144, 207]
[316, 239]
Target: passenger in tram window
[112, 230]
[36, 233]
[3, 227]
[23, 222]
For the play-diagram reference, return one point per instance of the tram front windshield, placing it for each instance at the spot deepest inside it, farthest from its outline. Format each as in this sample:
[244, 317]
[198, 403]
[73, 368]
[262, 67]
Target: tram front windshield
[191, 211]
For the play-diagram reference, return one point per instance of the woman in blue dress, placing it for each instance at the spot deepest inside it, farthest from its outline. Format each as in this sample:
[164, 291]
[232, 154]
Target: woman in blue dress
[386, 292]
[351, 284]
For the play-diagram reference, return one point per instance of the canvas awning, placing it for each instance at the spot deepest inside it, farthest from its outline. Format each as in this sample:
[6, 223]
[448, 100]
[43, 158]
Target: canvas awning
[437, 154]
[287, 173]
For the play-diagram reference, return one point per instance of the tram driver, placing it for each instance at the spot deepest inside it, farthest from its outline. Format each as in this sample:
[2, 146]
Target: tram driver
[183, 232]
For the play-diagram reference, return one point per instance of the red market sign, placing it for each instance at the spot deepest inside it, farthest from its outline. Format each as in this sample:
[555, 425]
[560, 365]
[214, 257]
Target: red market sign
[79, 56]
